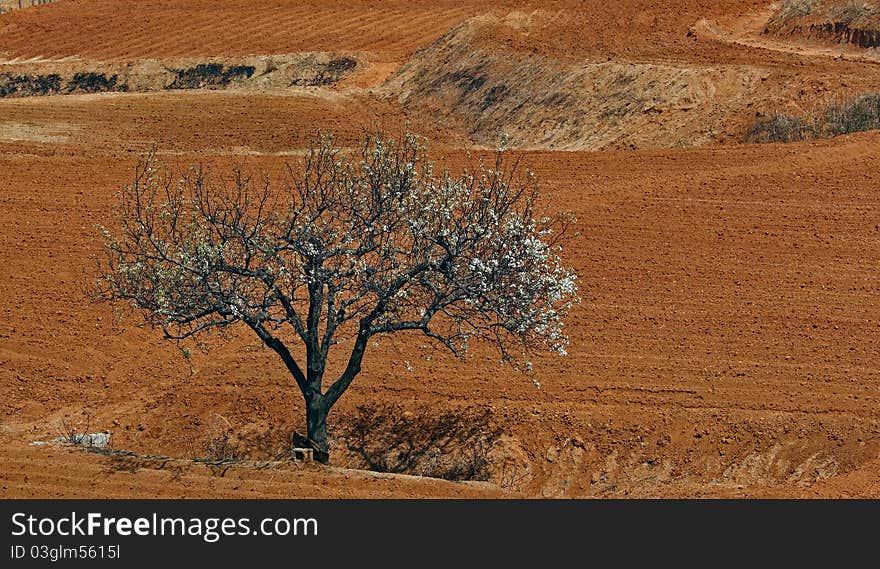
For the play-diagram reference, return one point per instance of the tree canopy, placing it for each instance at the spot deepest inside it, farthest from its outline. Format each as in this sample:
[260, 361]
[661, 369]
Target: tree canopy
[344, 247]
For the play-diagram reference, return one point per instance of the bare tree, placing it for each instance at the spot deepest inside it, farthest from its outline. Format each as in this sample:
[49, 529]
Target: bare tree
[346, 247]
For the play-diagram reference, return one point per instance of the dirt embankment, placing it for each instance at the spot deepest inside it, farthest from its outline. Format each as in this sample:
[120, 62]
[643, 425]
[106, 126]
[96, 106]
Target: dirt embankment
[10, 5]
[542, 102]
[855, 23]
[489, 79]
[28, 78]
[475, 82]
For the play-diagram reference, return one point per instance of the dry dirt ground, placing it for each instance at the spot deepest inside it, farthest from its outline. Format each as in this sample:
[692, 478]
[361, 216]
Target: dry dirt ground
[727, 342]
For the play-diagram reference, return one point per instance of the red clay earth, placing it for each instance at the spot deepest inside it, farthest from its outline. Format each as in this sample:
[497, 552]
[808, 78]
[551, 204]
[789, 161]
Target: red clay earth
[726, 344]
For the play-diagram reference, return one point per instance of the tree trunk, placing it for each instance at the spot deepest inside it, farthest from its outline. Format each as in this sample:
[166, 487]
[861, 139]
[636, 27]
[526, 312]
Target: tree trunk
[316, 421]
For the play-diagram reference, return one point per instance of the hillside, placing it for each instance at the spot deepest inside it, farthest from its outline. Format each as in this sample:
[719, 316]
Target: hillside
[848, 22]
[727, 342]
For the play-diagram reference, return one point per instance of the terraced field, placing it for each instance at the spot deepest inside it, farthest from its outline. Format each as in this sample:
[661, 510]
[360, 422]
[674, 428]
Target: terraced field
[108, 30]
[727, 342]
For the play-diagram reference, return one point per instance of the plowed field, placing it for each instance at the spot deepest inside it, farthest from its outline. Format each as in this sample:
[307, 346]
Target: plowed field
[728, 339]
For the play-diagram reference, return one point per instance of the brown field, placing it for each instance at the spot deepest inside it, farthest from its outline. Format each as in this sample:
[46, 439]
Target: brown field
[728, 340]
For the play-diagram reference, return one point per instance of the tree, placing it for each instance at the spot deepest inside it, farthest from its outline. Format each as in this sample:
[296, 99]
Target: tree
[344, 248]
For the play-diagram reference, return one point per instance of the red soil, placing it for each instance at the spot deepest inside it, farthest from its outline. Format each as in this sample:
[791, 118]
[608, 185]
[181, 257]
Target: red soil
[726, 345]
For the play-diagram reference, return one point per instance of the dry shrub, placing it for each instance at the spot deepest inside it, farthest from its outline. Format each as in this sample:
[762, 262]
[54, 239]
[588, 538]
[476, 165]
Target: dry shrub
[851, 11]
[857, 115]
[227, 441]
[779, 128]
[795, 9]
[220, 444]
[73, 432]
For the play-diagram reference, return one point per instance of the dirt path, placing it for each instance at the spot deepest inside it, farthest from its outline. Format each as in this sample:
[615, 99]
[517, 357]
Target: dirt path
[746, 31]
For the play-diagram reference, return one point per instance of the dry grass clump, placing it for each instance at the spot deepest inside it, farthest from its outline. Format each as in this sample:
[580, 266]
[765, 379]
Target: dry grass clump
[857, 115]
